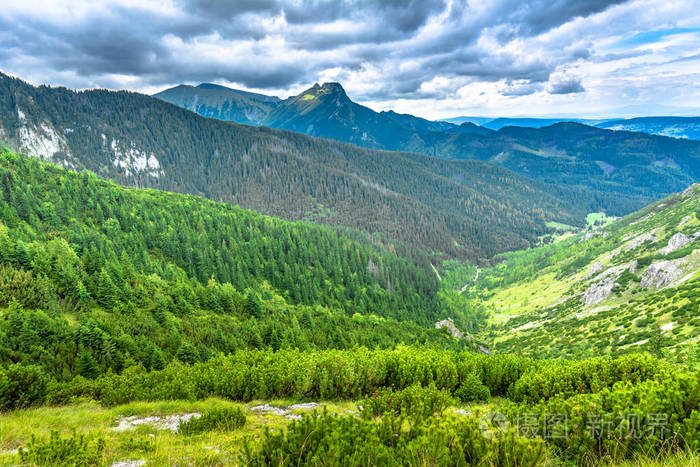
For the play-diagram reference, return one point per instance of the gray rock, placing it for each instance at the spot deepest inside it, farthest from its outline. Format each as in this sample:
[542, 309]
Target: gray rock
[679, 240]
[595, 269]
[660, 274]
[450, 325]
[169, 422]
[640, 240]
[589, 235]
[456, 333]
[690, 189]
[633, 266]
[598, 292]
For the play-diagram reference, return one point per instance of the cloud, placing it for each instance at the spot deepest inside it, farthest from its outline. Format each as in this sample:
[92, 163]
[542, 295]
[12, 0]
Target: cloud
[384, 53]
[563, 84]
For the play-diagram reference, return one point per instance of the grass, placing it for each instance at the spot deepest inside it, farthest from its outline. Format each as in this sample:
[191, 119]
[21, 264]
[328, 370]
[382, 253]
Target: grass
[164, 447]
[145, 442]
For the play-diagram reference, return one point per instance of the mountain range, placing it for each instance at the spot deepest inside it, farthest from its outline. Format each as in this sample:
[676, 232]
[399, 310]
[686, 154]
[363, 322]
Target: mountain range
[677, 127]
[459, 208]
[634, 168]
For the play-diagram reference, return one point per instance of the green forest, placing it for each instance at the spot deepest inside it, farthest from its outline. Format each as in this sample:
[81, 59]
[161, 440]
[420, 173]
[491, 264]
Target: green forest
[97, 277]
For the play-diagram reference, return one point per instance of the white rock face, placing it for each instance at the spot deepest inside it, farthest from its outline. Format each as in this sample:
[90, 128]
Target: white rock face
[598, 292]
[134, 161]
[660, 274]
[590, 235]
[633, 266]
[42, 142]
[171, 422]
[285, 412]
[640, 240]
[690, 189]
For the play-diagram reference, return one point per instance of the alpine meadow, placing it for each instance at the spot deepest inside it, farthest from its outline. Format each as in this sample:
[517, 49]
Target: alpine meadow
[350, 233]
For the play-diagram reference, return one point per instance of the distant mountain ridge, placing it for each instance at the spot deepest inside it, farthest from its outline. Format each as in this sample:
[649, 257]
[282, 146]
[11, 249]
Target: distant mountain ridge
[676, 127]
[633, 168]
[215, 101]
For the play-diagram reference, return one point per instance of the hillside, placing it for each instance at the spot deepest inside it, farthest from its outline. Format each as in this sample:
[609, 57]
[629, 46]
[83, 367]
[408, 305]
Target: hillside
[459, 208]
[630, 286]
[628, 170]
[96, 274]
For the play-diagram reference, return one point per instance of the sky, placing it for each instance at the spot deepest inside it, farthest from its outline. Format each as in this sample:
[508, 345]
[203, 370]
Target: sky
[431, 58]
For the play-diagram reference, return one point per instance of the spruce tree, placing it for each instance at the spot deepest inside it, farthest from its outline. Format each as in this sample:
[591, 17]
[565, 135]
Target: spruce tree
[87, 366]
[106, 291]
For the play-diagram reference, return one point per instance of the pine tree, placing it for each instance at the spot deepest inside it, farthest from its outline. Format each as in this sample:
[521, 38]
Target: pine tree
[157, 360]
[106, 291]
[253, 306]
[87, 366]
[187, 353]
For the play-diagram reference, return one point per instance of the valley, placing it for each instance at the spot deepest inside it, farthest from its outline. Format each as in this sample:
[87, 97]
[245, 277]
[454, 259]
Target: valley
[246, 233]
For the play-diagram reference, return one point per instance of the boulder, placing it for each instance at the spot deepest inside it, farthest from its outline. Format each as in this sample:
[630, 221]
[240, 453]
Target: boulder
[450, 325]
[640, 240]
[660, 274]
[598, 292]
[589, 235]
[679, 240]
[633, 267]
[595, 269]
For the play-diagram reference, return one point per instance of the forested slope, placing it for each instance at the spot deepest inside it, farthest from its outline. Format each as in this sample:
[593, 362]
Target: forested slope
[461, 208]
[94, 276]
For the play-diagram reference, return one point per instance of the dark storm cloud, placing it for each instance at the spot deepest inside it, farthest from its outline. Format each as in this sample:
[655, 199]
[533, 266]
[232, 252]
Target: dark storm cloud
[569, 86]
[282, 43]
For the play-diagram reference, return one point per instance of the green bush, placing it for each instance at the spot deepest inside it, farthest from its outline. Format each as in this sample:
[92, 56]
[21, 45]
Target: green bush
[415, 401]
[331, 374]
[621, 421]
[346, 440]
[56, 451]
[22, 386]
[223, 419]
[472, 389]
[567, 378]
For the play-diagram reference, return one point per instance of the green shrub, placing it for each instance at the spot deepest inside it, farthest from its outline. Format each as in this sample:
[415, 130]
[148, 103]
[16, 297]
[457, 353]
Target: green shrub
[56, 451]
[332, 440]
[567, 378]
[22, 386]
[415, 401]
[472, 389]
[621, 421]
[223, 419]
